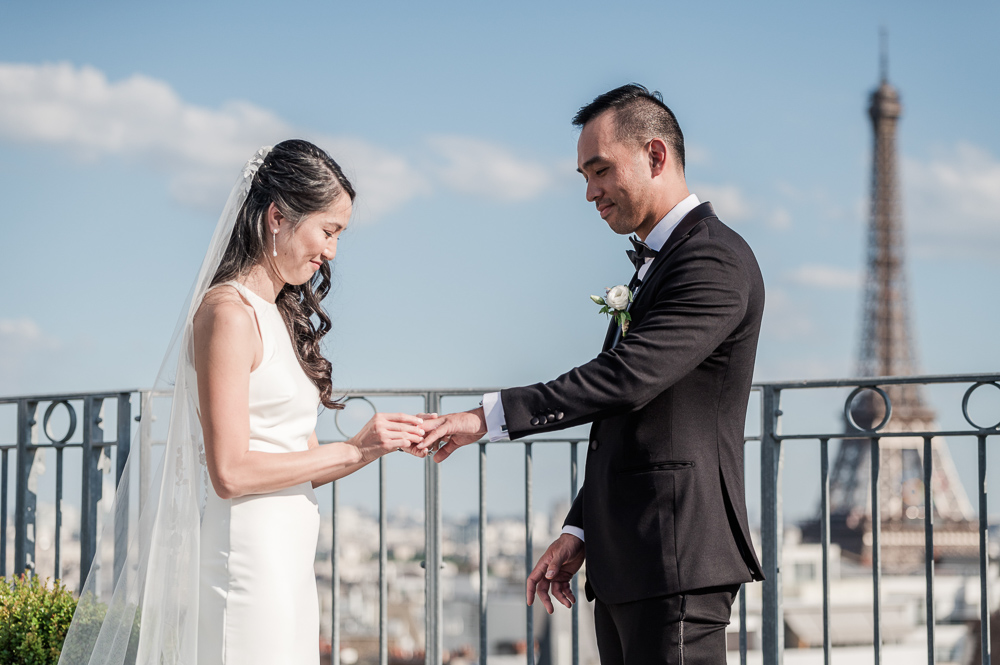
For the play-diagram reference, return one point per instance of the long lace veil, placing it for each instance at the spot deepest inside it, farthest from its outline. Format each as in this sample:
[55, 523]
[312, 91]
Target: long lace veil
[143, 607]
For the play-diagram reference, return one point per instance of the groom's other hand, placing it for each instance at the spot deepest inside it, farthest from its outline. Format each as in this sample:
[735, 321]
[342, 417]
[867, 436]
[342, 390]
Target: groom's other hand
[454, 431]
[554, 571]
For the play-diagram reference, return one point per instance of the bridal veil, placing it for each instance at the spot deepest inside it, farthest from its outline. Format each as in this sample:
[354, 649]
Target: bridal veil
[144, 609]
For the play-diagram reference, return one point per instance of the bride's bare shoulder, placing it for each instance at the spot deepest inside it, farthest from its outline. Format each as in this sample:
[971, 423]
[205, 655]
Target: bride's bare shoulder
[223, 309]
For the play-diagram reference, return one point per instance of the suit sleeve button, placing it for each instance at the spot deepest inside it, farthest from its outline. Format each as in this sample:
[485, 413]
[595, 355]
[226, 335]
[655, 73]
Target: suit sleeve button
[594, 444]
[536, 422]
[559, 415]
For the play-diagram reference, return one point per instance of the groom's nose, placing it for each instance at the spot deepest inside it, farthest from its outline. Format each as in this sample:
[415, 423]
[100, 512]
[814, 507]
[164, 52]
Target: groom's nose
[593, 191]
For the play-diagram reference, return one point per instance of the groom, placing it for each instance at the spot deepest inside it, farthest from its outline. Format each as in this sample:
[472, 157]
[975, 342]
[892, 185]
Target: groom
[661, 518]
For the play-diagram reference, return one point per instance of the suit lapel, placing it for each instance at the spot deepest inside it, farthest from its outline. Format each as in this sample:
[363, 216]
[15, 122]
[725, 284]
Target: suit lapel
[701, 212]
[692, 219]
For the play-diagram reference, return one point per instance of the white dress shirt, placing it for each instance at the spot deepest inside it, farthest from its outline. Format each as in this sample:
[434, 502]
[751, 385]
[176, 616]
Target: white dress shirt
[496, 423]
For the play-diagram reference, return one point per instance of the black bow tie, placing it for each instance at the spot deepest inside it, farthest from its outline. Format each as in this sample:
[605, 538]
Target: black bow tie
[641, 252]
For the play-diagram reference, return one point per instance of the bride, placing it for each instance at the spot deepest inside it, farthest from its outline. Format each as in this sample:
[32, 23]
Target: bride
[222, 570]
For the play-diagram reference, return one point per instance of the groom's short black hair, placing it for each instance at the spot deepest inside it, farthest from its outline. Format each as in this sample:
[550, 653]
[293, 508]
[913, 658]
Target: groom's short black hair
[640, 115]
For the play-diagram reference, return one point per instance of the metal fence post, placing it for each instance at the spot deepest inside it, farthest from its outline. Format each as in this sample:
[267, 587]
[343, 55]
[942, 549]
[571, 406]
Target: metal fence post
[25, 500]
[92, 485]
[483, 562]
[984, 554]
[773, 633]
[335, 574]
[383, 565]
[3, 512]
[434, 634]
[123, 436]
[529, 617]
[574, 489]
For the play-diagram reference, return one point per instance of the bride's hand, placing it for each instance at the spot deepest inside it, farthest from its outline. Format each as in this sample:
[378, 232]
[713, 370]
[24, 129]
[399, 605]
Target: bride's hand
[387, 432]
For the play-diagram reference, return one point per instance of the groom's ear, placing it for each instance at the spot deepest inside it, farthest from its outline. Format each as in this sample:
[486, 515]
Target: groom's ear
[656, 151]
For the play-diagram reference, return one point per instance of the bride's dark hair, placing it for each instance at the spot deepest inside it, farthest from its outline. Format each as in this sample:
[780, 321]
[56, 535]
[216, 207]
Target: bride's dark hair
[300, 179]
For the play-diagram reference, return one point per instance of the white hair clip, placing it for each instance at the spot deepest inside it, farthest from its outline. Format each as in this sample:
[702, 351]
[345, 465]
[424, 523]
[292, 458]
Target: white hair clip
[250, 168]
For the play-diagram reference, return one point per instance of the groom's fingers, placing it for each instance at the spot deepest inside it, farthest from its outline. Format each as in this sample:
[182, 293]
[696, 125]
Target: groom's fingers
[543, 595]
[436, 428]
[536, 577]
[561, 591]
[445, 451]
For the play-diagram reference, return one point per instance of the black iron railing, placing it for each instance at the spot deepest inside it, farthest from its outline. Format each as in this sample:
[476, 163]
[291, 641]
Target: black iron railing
[97, 453]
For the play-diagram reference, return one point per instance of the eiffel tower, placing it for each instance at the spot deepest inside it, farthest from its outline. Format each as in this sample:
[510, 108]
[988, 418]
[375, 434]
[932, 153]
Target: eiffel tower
[887, 350]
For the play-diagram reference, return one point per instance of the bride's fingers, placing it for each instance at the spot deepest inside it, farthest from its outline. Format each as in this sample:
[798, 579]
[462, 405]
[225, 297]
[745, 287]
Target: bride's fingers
[401, 438]
[402, 418]
[433, 423]
[405, 427]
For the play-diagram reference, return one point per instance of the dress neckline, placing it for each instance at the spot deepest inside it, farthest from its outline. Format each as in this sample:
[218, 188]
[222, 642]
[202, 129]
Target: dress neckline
[249, 293]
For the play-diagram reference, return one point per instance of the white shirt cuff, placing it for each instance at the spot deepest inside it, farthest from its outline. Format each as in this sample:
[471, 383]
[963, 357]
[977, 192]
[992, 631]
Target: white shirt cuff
[573, 531]
[496, 423]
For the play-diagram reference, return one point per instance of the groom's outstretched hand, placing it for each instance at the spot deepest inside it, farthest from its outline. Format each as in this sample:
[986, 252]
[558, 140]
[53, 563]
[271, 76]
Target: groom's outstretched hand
[452, 432]
[555, 570]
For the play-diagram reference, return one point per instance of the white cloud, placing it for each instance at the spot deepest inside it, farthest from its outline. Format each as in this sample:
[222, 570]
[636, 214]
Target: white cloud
[728, 200]
[200, 149]
[474, 166]
[825, 277]
[384, 180]
[17, 335]
[953, 201]
[822, 204]
[139, 118]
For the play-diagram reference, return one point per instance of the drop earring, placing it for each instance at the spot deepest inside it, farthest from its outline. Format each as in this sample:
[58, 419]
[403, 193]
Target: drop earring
[274, 240]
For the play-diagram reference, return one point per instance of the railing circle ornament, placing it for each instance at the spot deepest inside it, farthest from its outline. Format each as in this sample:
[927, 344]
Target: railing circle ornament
[336, 414]
[850, 416]
[72, 422]
[965, 405]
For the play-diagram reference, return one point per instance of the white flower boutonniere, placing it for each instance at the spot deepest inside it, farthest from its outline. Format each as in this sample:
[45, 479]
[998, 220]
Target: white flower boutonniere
[613, 304]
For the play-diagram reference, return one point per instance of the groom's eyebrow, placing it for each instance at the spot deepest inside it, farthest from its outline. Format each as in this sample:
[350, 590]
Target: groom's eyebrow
[589, 162]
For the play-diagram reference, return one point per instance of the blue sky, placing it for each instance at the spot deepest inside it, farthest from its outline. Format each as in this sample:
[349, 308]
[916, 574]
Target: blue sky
[472, 250]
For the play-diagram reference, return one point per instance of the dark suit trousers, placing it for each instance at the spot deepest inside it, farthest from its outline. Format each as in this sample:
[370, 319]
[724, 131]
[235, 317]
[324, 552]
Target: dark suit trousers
[682, 629]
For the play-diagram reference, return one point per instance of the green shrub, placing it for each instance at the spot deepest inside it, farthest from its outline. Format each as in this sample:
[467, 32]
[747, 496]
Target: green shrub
[34, 617]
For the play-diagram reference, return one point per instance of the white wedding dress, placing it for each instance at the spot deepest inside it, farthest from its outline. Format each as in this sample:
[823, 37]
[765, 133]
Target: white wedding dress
[258, 602]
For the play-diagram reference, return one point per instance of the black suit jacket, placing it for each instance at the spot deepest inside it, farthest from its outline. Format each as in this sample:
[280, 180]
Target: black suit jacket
[662, 505]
